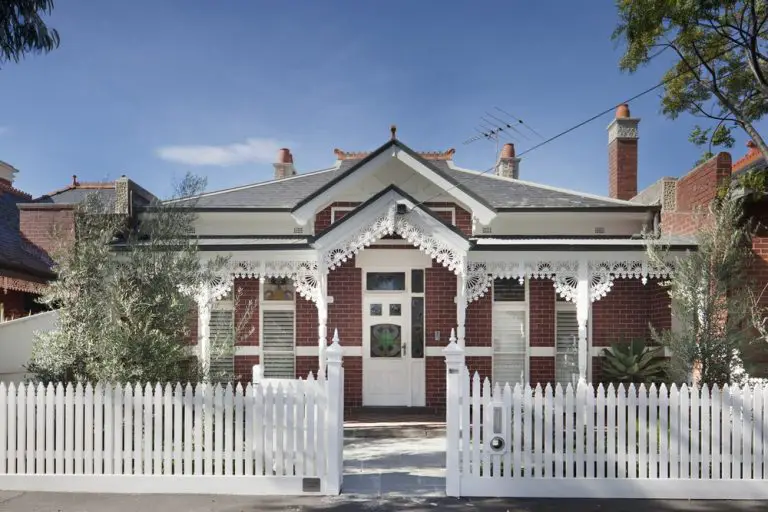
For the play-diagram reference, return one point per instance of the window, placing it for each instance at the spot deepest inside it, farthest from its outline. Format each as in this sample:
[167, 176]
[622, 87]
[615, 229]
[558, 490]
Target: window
[417, 327]
[278, 329]
[385, 281]
[509, 331]
[417, 280]
[566, 343]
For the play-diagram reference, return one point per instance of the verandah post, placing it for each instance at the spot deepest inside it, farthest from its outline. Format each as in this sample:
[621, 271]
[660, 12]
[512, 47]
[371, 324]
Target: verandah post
[335, 415]
[454, 362]
[582, 315]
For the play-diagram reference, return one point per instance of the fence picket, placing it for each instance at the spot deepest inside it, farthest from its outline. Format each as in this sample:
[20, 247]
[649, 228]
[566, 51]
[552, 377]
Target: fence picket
[548, 431]
[238, 448]
[167, 429]
[684, 432]
[528, 431]
[248, 402]
[309, 456]
[208, 427]
[39, 430]
[301, 403]
[653, 429]
[746, 433]
[228, 424]
[218, 430]
[507, 416]
[621, 431]
[580, 420]
[90, 433]
[290, 429]
[538, 431]
[11, 430]
[726, 413]
[198, 428]
[631, 431]
[31, 449]
[610, 455]
[279, 429]
[704, 422]
[177, 429]
[736, 419]
[321, 433]
[21, 429]
[590, 405]
[764, 431]
[269, 458]
[128, 459]
[642, 427]
[716, 443]
[117, 430]
[517, 431]
[757, 425]
[77, 432]
[663, 432]
[695, 437]
[148, 434]
[3, 429]
[674, 432]
[476, 422]
[157, 431]
[601, 432]
[109, 408]
[465, 422]
[188, 430]
[487, 420]
[138, 430]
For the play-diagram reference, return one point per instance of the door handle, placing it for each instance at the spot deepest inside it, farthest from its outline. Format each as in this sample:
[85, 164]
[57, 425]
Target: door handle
[402, 348]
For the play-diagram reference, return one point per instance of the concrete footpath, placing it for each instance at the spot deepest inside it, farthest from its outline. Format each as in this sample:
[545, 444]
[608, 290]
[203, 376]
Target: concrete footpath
[68, 502]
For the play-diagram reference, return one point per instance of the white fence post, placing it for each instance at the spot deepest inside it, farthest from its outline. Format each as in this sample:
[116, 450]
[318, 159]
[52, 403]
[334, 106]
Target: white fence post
[454, 362]
[335, 415]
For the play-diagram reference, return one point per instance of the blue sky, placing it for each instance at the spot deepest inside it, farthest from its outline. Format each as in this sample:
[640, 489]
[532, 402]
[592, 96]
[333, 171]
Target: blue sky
[153, 89]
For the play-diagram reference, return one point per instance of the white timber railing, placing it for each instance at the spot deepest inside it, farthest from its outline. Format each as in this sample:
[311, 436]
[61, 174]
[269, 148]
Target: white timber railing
[595, 442]
[269, 438]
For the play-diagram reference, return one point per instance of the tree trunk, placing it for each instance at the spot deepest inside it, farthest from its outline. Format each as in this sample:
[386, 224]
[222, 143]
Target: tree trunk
[756, 138]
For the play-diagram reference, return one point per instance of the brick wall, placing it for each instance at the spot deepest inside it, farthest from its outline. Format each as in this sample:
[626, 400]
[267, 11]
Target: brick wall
[323, 217]
[306, 323]
[694, 192]
[623, 314]
[193, 331]
[345, 285]
[463, 219]
[479, 322]
[542, 370]
[440, 305]
[46, 227]
[435, 381]
[247, 311]
[622, 168]
[244, 368]
[541, 303]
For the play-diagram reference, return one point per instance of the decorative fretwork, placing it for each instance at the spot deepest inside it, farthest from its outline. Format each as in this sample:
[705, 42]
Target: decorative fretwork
[407, 226]
[304, 274]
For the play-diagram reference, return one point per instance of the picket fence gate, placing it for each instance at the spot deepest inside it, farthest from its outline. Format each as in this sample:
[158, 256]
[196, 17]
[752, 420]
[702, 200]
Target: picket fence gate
[619, 442]
[273, 438]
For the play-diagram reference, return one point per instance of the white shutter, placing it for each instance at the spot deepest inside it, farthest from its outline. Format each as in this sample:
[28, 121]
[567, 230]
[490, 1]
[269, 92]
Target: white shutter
[222, 331]
[509, 342]
[566, 344]
[277, 344]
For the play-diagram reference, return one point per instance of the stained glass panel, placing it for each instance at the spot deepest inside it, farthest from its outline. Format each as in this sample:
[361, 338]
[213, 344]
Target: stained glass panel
[385, 340]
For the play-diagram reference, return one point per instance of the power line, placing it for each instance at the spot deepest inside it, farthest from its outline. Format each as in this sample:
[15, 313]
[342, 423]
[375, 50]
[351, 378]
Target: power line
[589, 120]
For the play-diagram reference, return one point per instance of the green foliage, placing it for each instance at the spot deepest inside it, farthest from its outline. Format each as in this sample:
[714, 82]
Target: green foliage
[710, 296]
[22, 29]
[121, 293]
[719, 72]
[633, 362]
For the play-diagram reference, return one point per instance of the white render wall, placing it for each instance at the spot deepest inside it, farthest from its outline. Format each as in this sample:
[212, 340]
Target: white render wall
[16, 339]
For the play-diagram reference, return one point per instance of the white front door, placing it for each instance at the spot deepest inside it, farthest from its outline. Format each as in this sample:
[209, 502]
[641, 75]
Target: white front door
[386, 349]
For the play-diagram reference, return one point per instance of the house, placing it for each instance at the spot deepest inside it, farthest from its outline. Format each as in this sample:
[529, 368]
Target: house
[32, 228]
[397, 248]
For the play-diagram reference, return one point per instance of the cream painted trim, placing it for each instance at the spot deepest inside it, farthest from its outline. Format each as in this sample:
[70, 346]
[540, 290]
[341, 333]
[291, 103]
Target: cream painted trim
[248, 350]
[468, 351]
[541, 352]
[347, 351]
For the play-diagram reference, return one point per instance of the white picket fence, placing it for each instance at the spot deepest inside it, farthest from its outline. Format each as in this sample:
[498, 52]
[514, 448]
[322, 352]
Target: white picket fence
[624, 442]
[271, 438]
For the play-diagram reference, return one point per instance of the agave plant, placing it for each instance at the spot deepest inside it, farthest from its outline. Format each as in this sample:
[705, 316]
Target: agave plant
[633, 362]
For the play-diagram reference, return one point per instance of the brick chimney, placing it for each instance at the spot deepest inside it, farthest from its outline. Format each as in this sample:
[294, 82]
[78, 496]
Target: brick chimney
[7, 173]
[508, 165]
[284, 164]
[622, 155]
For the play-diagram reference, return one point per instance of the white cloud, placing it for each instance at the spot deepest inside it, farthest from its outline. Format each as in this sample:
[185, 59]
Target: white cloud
[253, 150]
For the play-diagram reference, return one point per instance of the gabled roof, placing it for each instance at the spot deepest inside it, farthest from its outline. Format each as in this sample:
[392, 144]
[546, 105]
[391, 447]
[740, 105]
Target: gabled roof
[496, 192]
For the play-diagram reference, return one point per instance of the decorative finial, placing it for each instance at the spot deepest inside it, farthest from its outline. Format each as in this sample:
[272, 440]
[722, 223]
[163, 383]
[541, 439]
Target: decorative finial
[393, 129]
[74, 180]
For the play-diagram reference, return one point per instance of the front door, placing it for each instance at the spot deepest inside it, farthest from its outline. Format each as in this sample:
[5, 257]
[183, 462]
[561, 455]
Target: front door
[386, 348]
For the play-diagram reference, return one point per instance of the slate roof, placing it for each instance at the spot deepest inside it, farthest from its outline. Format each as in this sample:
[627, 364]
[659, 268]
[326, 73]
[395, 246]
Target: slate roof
[499, 193]
[77, 195]
[16, 253]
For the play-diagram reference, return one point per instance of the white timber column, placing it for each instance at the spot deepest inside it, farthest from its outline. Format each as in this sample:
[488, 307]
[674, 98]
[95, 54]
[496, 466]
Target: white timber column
[204, 307]
[322, 317]
[461, 308]
[582, 315]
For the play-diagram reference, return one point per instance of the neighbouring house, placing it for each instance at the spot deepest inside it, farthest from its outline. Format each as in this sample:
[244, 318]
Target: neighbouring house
[397, 248]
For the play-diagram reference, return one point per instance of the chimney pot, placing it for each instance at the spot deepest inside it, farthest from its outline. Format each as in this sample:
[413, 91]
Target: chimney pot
[284, 156]
[508, 150]
[622, 111]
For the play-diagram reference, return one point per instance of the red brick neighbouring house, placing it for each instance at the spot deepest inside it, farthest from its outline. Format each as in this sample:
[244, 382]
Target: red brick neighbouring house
[31, 229]
[397, 249]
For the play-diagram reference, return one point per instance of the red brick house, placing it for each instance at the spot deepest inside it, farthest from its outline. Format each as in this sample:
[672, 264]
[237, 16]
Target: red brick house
[30, 228]
[396, 248]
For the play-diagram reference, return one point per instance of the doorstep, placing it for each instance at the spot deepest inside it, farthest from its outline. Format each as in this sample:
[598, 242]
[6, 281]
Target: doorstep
[393, 422]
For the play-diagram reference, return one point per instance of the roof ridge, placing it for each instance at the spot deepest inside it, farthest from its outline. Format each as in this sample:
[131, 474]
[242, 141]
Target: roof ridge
[258, 184]
[13, 190]
[542, 186]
